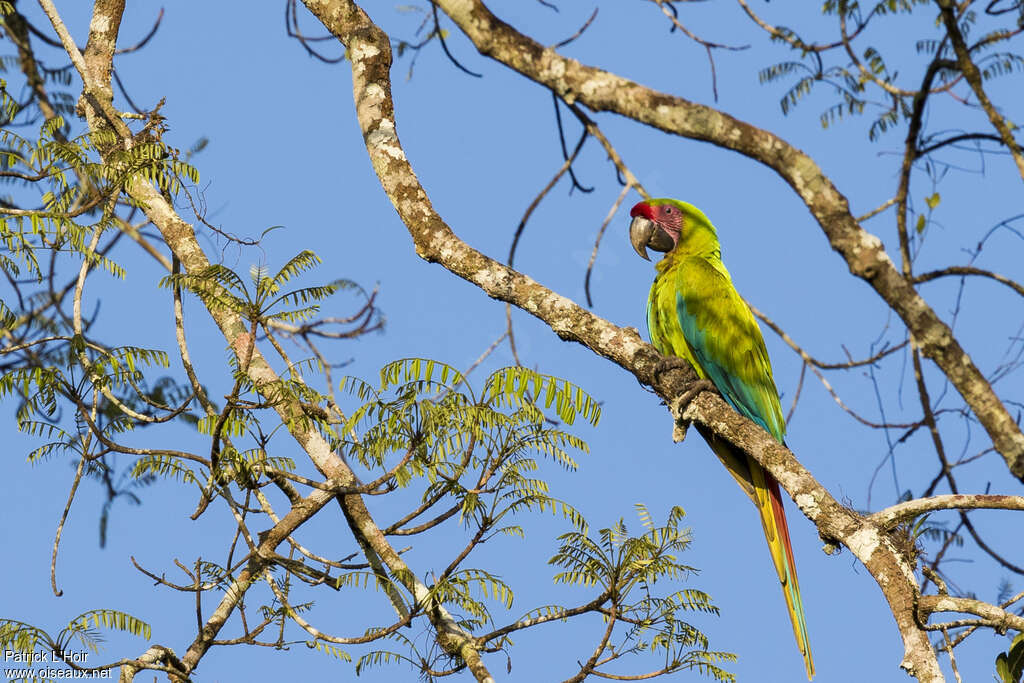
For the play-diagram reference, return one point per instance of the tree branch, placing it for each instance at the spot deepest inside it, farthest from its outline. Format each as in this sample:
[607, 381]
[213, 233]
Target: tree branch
[970, 270]
[993, 616]
[180, 237]
[435, 242]
[864, 253]
[973, 76]
[893, 515]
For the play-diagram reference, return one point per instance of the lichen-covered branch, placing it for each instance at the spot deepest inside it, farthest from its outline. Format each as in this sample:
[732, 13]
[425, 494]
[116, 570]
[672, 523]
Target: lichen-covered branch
[179, 235]
[990, 615]
[863, 252]
[370, 53]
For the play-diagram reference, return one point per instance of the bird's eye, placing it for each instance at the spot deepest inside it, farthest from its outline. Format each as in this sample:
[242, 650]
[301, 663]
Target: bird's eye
[668, 209]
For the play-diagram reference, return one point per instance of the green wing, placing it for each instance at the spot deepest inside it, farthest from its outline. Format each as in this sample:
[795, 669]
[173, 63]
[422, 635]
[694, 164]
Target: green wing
[726, 342]
[694, 312]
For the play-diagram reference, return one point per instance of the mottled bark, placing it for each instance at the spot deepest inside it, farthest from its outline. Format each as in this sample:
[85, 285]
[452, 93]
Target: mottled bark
[888, 555]
[989, 615]
[885, 556]
[910, 509]
[99, 50]
[95, 70]
[863, 252]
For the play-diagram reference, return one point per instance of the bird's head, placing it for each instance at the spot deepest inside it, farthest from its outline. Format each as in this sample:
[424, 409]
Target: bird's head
[659, 223]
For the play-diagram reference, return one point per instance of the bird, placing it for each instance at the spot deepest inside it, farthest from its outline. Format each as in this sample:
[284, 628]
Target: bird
[694, 312]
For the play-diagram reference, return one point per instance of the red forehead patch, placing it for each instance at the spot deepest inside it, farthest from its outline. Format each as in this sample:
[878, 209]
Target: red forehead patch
[642, 209]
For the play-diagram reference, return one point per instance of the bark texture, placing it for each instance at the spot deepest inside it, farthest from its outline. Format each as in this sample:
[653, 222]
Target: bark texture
[863, 252]
[95, 70]
[885, 555]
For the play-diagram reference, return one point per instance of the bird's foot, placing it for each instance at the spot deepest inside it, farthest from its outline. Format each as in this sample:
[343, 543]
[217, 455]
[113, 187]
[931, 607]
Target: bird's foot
[668, 363]
[682, 401]
[685, 398]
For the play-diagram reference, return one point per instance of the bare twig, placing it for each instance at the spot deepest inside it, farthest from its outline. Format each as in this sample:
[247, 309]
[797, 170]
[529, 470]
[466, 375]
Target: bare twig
[864, 253]
[536, 202]
[597, 240]
[669, 11]
[893, 515]
[578, 33]
[993, 616]
[60, 525]
[444, 45]
[951, 271]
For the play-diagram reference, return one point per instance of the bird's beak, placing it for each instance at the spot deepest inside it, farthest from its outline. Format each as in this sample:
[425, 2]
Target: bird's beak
[640, 231]
[644, 233]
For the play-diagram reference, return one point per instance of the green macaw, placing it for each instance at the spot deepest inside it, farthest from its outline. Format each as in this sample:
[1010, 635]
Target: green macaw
[694, 312]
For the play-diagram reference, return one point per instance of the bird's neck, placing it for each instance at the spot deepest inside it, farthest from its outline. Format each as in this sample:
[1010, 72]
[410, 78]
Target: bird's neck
[701, 243]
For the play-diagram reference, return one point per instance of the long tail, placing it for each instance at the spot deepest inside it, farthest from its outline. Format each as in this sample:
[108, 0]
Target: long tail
[764, 491]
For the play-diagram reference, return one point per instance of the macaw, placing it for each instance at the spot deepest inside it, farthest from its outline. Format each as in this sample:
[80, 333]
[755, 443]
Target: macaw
[694, 312]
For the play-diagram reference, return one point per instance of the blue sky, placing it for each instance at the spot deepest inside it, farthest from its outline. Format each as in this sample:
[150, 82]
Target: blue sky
[285, 149]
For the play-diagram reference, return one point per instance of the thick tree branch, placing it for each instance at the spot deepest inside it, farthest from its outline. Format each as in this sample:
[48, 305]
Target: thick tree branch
[180, 237]
[863, 252]
[150, 660]
[434, 241]
[99, 50]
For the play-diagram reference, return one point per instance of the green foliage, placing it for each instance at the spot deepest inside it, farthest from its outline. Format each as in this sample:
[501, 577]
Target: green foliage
[329, 649]
[886, 120]
[882, 7]
[1001, 64]
[163, 465]
[627, 567]
[1010, 664]
[86, 623]
[17, 636]
[384, 657]
[517, 386]
[54, 373]
[427, 411]
[77, 189]
[51, 359]
[260, 301]
[474, 452]
[221, 289]
[861, 80]
[934, 531]
[931, 202]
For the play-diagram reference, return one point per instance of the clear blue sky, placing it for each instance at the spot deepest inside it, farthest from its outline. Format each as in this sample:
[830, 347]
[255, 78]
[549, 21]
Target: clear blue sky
[285, 149]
